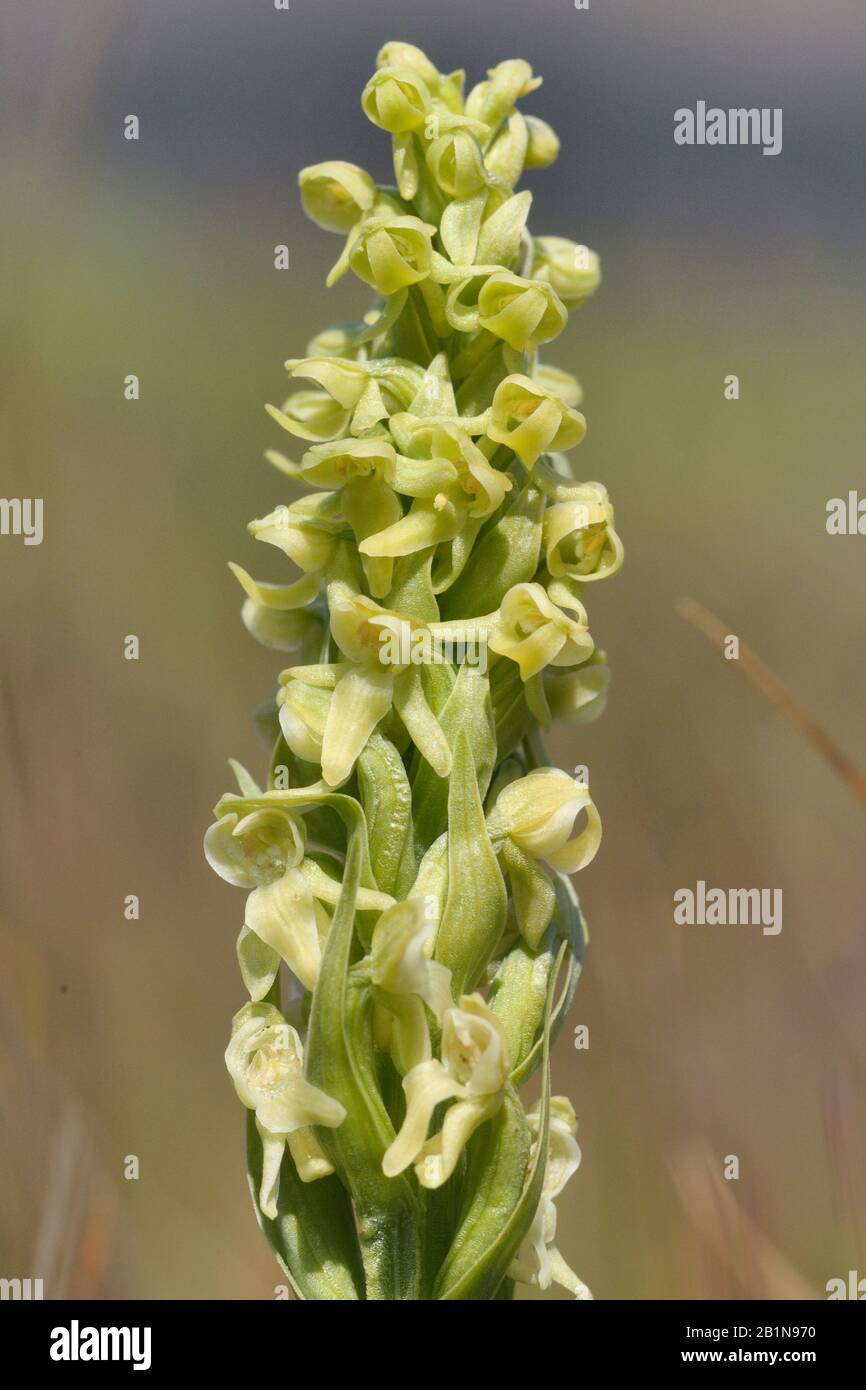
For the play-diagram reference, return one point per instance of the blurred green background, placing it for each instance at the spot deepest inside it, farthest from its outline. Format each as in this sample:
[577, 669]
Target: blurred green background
[156, 258]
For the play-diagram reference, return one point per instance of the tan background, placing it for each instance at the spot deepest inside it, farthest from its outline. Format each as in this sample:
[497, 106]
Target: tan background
[156, 258]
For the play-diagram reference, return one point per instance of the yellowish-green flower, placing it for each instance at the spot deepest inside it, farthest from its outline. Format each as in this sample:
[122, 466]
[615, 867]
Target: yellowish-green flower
[466, 486]
[538, 813]
[447, 87]
[579, 539]
[455, 159]
[390, 253]
[335, 194]
[307, 530]
[542, 1265]
[532, 631]
[374, 678]
[473, 1071]
[524, 313]
[355, 396]
[265, 1060]
[264, 852]
[406, 978]
[530, 420]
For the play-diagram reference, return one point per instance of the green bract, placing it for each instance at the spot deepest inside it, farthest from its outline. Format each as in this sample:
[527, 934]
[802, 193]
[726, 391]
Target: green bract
[409, 940]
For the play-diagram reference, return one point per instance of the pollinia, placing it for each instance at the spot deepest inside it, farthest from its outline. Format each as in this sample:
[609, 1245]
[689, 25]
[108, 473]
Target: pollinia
[411, 939]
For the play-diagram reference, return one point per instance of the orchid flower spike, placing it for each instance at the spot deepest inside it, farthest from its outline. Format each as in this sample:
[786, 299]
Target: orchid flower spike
[410, 940]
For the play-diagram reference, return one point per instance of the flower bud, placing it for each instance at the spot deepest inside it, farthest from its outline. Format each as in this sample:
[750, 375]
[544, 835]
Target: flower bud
[506, 157]
[408, 55]
[491, 101]
[454, 160]
[396, 99]
[578, 697]
[543, 148]
[294, 632]
[555, 382]
[303, 712]
[573, 271]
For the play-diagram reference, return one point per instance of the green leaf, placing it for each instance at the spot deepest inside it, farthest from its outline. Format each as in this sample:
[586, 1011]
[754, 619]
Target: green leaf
[387, 801]
[412, 590]
[495, 1177]
[506, 555]
[532, 892]
[324, 826]
[510, 714]
[313, 1235]
[468, 707]
[569, 919]
[518, 995]
[339, 1060]
[259, 963]
[476, 904]
[569, 926]
[482, 1263]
